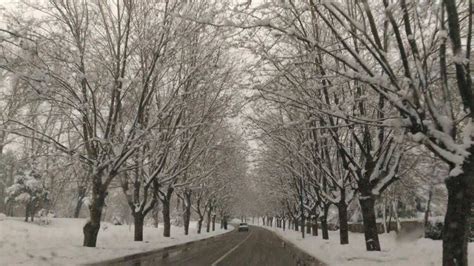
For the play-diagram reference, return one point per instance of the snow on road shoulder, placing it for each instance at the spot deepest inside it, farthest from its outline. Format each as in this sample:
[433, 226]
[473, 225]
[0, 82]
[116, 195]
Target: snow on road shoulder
[59, 243]
[395, 252]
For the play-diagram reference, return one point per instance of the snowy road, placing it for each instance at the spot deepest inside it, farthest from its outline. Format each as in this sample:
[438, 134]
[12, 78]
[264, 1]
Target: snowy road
[256, 247]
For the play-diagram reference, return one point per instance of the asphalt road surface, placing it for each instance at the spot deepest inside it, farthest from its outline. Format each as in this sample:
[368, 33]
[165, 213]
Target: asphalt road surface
[255, 247]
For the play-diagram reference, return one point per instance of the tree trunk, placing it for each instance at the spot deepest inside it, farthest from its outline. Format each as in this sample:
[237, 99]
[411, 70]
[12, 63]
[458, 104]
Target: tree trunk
[428, 207]
[213, 222]
[224, 220]
[457, 220]
[284, 224]
[138, 219]
[384, 217]
[296, 225]
[27, 211]
[166, 218]
[324, 222]
[460, 188]
[315, 226]
[32, 213]
[395, 213]
[343, 223]
[390, 219]
[187, 212]
[201, 218]
[302, 225]
[166, 201]
[208, 224]
[367, 203]
[308, 228]
[91, 228]
[156, 214]
[77, 209]
[80, 198]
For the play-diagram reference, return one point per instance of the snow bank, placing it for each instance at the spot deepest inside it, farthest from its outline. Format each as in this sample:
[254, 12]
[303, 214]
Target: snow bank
[59, 243]
[396, 251]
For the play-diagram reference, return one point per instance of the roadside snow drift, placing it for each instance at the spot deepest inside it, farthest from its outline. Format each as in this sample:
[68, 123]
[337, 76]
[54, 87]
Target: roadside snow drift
[59, 243]
[396, 251]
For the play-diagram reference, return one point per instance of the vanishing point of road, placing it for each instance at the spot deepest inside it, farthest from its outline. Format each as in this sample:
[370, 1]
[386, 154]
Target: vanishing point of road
[256, 247]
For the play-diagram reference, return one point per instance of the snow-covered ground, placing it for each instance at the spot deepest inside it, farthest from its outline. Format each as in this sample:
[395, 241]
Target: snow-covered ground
[59, 243]
[395, 250]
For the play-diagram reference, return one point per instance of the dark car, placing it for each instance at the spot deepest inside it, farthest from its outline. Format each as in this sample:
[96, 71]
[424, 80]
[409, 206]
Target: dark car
[243, 227]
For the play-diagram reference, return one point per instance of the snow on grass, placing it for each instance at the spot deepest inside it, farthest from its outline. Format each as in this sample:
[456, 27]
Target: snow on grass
[59, 243]
[396, 251]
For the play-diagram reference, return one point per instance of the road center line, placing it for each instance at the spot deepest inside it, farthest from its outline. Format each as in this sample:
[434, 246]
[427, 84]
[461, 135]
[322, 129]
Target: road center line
[230, 251]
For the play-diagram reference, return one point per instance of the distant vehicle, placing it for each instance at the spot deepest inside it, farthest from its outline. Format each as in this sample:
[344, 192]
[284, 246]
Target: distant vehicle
[243, 227]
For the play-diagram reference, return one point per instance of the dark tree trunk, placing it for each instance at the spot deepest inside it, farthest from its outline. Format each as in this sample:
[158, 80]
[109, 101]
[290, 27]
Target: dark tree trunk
[27, 211]
[297, 228]
[367, 203]
[428, 206]
[213, 223]
[81, 195]
[187, 212]
[284, 224]
[166, 201]
[77, 209]
[201, 218]
[460, 188]
[138, 219]
[166, 218]
[32, 213]
[343, 223]
[156, 214]
[315, 226]
[308, 228]
[324, 222]
[390, 219]
[91, 228]
[224, 221]
[302, 225]
[208, 224]
[456, 228]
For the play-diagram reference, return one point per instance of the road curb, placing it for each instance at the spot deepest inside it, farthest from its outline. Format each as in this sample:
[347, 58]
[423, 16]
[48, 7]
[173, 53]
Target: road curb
[302, 257]
[139, 255]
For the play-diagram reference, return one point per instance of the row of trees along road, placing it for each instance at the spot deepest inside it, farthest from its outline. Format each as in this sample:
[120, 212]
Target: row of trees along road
[346, 89]
[129, 94]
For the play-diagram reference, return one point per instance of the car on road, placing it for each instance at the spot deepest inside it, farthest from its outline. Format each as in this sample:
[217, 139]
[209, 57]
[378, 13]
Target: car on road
[243, 227]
